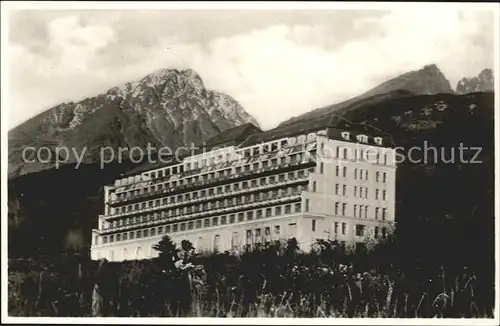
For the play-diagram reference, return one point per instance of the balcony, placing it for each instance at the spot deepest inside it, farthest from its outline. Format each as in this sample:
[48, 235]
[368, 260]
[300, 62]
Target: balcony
[227, 209]
[308, 146]
[224, 179]
[200, 200]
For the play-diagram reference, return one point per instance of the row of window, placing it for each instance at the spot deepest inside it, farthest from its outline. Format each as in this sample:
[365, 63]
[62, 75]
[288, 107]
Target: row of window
[359, 154]
[207, 177]
[359, 191]
[195, 165]
[362, 193]
[361, 211]
[214, 191]
[207, 222]
[217, 204]
[377, 231]
[360, 174]
[359, 229]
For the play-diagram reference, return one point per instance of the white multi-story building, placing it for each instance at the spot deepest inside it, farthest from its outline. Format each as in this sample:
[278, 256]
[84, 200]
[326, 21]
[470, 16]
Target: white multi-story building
[291, 182]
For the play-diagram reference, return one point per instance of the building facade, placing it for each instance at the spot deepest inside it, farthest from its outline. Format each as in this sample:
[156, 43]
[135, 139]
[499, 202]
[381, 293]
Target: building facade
[329, 184]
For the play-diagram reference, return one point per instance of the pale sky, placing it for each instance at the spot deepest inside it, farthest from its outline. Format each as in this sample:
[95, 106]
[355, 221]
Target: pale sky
[275, 63]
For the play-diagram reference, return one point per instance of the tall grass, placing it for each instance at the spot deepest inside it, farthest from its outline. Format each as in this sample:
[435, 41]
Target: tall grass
[273, 280]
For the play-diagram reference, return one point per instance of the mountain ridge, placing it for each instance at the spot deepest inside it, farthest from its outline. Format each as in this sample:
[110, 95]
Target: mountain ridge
[168, 107]
[483, 82]
[428, 80]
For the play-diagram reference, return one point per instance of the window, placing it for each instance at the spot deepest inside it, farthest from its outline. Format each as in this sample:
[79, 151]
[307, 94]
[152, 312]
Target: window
[215, 221]
[345, 153]
[131, 235]
[344, 206]
[384, 233]
[376, 212]
[277, 211]
[366, 192]
[160, 229]
[223, 219]
[355, 191]
[337, 206]
[344, 171]
[362, 138]
[344, 228]
[321, 168]
[337, 187]
[241, 217]
[355, 173]
[360, 230]
[337, 170]
[105, 239]
[269, 212]
[361, 210]
[298, 207]
[125, 236]
[206, 223]
[198, 224]
[384, 177]
[384, 195]
[314, 186]
[306, 208]
[344, 190]
[249, 215]
[216, 242]
[257, 235]
[366, 211]
[277, 230]
[355, 210]
[313, 226]
[366, 175]
[167, 229]
[376, 232]
[153, 232]
[384, 213]
[376, 194]
[138, 234]
[288, 209]
[267, 233]
[231, 218]
[336, 228]
[377, 176]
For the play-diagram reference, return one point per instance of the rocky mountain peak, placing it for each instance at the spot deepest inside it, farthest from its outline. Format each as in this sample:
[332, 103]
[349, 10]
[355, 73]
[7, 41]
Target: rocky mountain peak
[168, 107]
[484, 82]
[427, 80]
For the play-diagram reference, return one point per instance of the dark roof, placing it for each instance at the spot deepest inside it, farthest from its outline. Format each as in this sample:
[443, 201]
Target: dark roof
[238, 134]
[148, 166]
[331, 121]
[295, 128]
